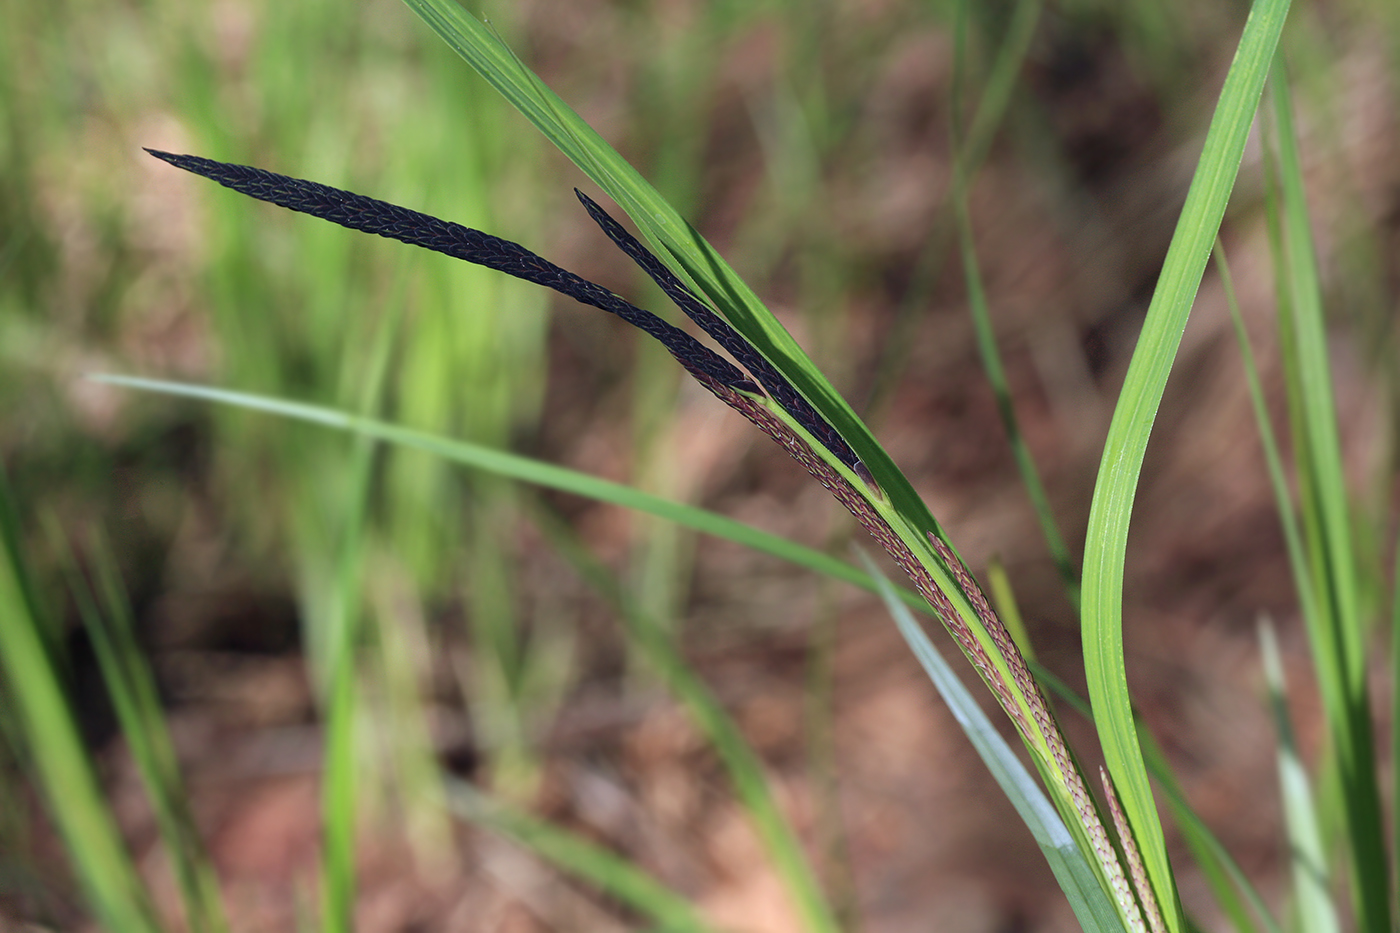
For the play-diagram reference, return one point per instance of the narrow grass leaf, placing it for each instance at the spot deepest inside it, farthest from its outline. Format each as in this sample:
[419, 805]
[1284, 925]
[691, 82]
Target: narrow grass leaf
[1268, 440]
[1076, 875]
[132, 687]
[1001, 82]
[1125, 447]
[343, 619]
[59, 760]
[1231, 885]
[526, 470]
[1335, 629]
[340, 701]
[1307, 853]
[609, 873]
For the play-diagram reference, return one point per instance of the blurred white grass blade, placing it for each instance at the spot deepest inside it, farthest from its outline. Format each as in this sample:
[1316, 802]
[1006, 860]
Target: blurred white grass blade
[1092, 905]
[1311, 884]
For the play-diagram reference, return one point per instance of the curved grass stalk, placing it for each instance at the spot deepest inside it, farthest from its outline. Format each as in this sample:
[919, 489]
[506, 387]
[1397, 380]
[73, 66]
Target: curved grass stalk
[55, 747]
[1105, 549]
[1072, 868]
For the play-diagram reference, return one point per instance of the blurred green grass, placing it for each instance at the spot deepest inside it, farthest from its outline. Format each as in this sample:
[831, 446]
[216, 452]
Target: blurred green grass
[107, 262]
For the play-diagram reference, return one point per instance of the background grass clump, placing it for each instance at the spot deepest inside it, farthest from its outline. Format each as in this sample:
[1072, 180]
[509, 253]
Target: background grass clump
[260, 675]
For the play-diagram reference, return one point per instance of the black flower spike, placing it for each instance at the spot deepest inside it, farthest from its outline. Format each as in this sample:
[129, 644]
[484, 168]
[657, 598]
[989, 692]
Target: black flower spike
[726, 336]
[713, 371]
[399, 223]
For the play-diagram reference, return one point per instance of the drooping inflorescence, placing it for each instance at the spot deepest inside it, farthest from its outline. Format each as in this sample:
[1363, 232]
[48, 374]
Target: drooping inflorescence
[417, 229]
[737, 390]
[371, 215]
[726, 336]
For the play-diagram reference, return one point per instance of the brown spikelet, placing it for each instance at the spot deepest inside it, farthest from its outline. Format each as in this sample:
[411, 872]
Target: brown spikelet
[1133, 855]
[1046, 726]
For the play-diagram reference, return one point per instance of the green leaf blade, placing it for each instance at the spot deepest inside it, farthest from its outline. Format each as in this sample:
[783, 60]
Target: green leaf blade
[1125, 447]
[1073, 868]
[61, 762]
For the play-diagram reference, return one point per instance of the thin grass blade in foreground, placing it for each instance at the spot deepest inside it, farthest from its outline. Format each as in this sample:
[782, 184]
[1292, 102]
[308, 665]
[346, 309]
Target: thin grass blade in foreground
[132, 687]
[341, 619]
[1105, 548]
[1329, 576]
[55, 748]
[339, 779]
[1074, 872]
[526, 470]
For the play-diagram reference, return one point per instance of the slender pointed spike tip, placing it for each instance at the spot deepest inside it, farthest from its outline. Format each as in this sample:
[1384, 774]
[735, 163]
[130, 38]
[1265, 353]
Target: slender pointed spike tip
[370, 215]
[720, 330]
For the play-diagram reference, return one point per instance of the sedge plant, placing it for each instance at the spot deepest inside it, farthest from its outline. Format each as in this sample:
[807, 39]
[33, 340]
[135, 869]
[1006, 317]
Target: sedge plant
[1103, 838]
[777, 388]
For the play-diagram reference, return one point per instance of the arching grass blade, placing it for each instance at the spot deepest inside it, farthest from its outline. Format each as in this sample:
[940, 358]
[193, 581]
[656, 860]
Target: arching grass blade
[1075, 874]
[1126, 445]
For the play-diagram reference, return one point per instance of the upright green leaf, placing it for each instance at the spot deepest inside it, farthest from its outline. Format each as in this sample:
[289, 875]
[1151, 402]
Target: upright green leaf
[60, 761]
[1328, 581]
[1126, 445]
[132, 687]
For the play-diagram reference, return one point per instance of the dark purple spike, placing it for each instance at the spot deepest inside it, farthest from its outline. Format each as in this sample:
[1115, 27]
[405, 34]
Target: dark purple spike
[726, 336]
[398, 223]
